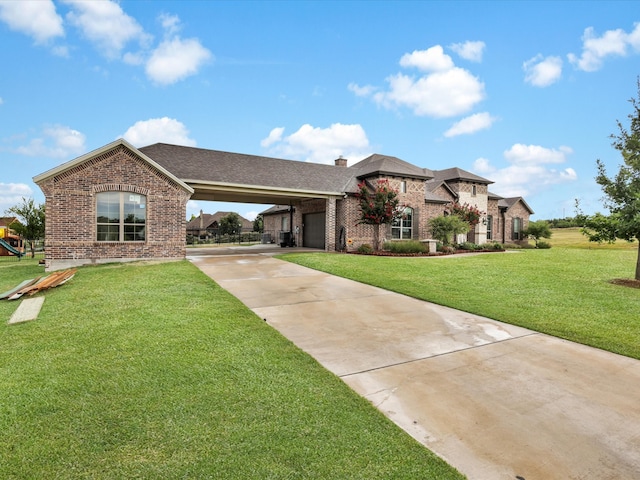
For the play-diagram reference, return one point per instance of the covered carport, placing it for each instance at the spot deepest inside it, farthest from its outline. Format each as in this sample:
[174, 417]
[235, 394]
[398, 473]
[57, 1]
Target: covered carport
[232, 177]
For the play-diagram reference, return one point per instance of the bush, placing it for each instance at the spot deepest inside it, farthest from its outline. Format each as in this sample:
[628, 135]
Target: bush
[543, 244]
[469, 246]
[446, 249]
[497, 247]
[365, 248]
[405, 246]
[512, 246]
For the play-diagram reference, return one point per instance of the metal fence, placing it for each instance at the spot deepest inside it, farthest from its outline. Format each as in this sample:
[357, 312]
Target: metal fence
[37, 254]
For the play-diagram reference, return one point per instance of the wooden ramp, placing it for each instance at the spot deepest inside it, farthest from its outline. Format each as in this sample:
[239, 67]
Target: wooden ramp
[44, 283]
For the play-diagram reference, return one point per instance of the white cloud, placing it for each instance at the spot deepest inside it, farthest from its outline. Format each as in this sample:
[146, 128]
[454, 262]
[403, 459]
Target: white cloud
[170, 23]
[542, 72]
[11, 194]
[35, 18]
[430, 60]
[526, 154]
[443, 91]
[528, 171]
[361, 91]
[56, 141]
[320, 145]
[471, 51]
[158, 130]
[612, 43]
[106, 25]
[176, 59]
[275, 135]
[471, 124]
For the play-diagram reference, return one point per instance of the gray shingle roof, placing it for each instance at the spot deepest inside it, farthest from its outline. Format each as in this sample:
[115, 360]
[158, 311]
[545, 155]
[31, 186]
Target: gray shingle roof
[208, 219]
[456, 173]
[507, 203]
[377, 164]
[189, 163]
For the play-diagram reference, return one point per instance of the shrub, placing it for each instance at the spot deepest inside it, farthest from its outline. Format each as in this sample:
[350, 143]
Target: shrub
[497, 246]
[512, 246]
[543, 244]
[365, 248]
[469, 246]
[447, 249]
[405, 246]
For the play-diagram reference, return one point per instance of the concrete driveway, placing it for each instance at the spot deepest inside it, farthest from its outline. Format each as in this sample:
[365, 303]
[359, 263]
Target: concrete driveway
[494, 400]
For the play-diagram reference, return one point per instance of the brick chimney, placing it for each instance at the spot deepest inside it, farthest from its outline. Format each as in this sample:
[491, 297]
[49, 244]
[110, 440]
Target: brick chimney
[341, 162]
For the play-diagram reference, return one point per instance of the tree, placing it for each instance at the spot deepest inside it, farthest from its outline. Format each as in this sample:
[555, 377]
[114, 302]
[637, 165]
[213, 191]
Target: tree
[537, 230]
[258, 224]
[30, 225]
[377, 208]
[446, 227]
[469, 213]
[230, 224]
[622, 192]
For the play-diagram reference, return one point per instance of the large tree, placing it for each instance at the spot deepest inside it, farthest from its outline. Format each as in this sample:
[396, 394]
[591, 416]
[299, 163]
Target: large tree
[30, 223]
[379, 205]
[230, 224]
[622, 191]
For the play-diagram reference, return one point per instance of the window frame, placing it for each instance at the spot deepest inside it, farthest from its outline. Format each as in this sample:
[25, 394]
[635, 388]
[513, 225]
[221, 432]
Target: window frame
[489, 227]
[125, 231]
[517, 228]
[401, 224]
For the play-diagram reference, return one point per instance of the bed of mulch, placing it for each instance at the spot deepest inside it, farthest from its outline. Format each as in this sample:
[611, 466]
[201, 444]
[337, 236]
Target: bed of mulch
[626, 282]
[383, 253]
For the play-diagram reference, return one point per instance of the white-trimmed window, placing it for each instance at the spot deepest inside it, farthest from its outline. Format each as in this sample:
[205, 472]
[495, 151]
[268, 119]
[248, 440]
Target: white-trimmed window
[402, 227]
[517, 227]
[474, 190]
[121, 217]
[403, 186]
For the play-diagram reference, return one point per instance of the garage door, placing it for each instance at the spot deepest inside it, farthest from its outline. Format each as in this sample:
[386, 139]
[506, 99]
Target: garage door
[313, 230]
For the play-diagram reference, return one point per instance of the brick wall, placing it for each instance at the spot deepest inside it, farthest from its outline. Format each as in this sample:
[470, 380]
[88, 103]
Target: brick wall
[518, 210]
[70, 230]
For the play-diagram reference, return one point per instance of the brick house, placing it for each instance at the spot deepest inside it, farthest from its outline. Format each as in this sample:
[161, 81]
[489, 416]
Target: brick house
[121, 203]
[112, 204]
[206, 225]
[424, 193]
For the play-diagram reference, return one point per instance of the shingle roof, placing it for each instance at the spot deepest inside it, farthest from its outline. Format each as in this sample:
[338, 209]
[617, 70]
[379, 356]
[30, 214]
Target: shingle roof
[191, 164]
[208, 219]
[456, 173]
[377, 164]
[507, 203]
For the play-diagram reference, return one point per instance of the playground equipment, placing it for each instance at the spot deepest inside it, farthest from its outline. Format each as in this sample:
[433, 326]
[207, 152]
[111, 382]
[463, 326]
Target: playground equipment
[11, 245]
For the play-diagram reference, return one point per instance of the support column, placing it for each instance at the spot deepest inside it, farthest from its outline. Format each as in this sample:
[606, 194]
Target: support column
[330, 225]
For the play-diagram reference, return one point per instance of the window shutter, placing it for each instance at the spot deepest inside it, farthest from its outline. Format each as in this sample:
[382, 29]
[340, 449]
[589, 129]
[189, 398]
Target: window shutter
[415, 232]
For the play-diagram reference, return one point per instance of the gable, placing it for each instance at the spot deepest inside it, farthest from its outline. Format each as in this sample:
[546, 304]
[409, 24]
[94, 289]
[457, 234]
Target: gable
[101, 157]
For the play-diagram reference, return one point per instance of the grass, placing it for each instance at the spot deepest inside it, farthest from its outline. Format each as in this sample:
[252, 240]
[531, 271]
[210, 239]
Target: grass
[572, 238]
[564, 292]
[154, 371]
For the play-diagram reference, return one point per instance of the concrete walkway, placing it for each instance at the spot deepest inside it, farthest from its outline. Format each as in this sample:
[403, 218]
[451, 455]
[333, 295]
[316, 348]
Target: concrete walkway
[494, 400]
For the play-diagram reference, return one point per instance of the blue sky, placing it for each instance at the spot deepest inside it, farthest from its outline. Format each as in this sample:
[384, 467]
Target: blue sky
[523, 93]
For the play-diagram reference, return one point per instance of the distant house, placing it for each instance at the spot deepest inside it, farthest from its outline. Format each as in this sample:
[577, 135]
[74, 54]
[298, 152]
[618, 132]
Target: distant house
[207, 225]
[5, 223]
[121, 203]
[9, 240]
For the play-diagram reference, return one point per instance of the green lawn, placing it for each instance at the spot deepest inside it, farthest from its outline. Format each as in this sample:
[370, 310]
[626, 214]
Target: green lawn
[564, 292]
[153, 371]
